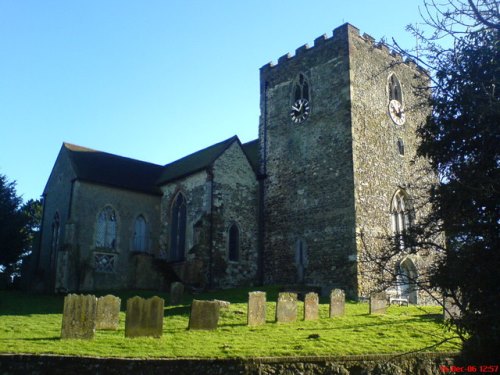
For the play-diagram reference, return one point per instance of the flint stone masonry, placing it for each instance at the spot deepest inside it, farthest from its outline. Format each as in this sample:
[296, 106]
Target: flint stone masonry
[286, 308]
[204, 315]
[144, 317]
[378, 303]
[108, 312]
[337, 303]
[390, 364]
[176, 292]
[311, 306]
[256, 308]
[79, 317]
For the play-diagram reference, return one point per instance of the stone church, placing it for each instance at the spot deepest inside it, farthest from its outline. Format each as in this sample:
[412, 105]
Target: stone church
[328, 177]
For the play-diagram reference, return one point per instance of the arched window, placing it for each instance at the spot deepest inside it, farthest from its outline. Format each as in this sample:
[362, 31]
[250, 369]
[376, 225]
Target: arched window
[401, 216]
[394, 88]
[106, 229]
[178, 228]
[140, 234]
[234, 243]
[300, 259]
[301, 89]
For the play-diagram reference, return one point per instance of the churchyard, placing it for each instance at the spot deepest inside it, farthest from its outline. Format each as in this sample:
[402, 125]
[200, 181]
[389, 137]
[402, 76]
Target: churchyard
[32, 323]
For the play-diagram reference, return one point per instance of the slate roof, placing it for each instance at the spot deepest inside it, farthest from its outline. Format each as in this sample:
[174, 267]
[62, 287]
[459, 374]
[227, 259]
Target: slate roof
[118, 171]
[195, 162]
[113, 170]
[252, 151]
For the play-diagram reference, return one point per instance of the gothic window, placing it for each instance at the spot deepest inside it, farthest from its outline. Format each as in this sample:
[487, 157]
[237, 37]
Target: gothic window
[178, 228]
[234, 243]
[300, 259]
[401, 216]
[401, 147]
[140, 234]
[395, 92]
[301, 90]
[106, 229]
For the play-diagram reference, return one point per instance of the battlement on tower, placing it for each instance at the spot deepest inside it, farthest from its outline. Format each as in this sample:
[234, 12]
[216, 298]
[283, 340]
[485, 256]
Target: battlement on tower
[341, 33]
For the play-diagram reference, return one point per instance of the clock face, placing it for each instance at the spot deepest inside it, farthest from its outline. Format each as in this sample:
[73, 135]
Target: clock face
[396, 112]
[300, 110]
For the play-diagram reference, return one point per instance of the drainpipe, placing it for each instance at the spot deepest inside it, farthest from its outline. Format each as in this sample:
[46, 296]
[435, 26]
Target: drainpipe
[261, 177]
[40, 239]
[211, 233]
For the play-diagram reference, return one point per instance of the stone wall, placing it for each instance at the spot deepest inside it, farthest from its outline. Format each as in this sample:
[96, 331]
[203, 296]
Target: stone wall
[379, 168]
[235, 202]
[225, 194]
[88, 201]
[423, 364]
[57, 195]
[309, 185]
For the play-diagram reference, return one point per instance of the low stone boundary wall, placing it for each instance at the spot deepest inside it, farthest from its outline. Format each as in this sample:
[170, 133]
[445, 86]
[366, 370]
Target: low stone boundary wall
[416, 363]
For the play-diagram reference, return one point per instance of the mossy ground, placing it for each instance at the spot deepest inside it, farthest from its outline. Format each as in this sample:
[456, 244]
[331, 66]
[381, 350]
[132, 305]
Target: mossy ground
[31, 323]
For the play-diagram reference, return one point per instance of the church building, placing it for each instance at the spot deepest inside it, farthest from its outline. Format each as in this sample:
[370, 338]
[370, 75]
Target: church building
[329, 177]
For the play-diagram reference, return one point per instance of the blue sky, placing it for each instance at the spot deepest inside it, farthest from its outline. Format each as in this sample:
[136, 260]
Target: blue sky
[151, 80]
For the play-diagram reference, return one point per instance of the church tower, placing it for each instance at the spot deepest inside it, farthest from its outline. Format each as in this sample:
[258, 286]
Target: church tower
[337, 141]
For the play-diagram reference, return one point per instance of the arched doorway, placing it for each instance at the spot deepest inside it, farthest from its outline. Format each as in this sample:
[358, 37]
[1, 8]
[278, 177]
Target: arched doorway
[406, 280]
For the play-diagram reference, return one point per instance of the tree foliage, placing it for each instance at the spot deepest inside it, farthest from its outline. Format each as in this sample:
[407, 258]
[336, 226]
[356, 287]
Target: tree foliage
[18, 224]
[461, 139]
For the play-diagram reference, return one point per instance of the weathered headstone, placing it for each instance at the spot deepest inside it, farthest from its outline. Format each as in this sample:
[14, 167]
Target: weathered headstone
[204, 315]
[311, 306]
[450, 309]
[176, 292]
[286, 308]
[337, 303]
[108, 312]
[378, 303]
[144, 317]
[79, 316]
[256, 308]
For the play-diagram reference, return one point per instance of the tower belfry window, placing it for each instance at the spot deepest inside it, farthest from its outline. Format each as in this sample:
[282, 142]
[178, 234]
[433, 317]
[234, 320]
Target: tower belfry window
[395, 92]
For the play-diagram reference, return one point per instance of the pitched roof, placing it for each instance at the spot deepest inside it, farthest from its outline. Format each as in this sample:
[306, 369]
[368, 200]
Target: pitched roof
[251, 150]
[108, 169]
[195, 162]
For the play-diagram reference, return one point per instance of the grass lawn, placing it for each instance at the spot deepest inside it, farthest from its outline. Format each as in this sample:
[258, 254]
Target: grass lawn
[32, 324]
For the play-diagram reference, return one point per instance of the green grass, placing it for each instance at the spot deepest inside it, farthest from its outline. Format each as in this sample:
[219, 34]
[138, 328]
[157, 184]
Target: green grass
[32, 324]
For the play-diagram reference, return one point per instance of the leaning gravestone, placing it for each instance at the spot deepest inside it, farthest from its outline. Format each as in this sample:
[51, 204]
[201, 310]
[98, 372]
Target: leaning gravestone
[378, 303]
[286, 308]
[108, 312]
[311, 306]
[337, 303]
[256, 308]
[204, 315]
[79, 317]
[176, 292]
[450, 309]
[144, 317]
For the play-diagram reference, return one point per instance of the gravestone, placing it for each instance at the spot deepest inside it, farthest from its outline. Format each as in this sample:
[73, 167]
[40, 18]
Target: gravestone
[79, 316]
[204, 315]
[378, 303]
[286, 308]
[337, 303]
[450, 309]
[311, 306]
[108, 312]
[144, 317]
[176, 292]
[256, 308]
